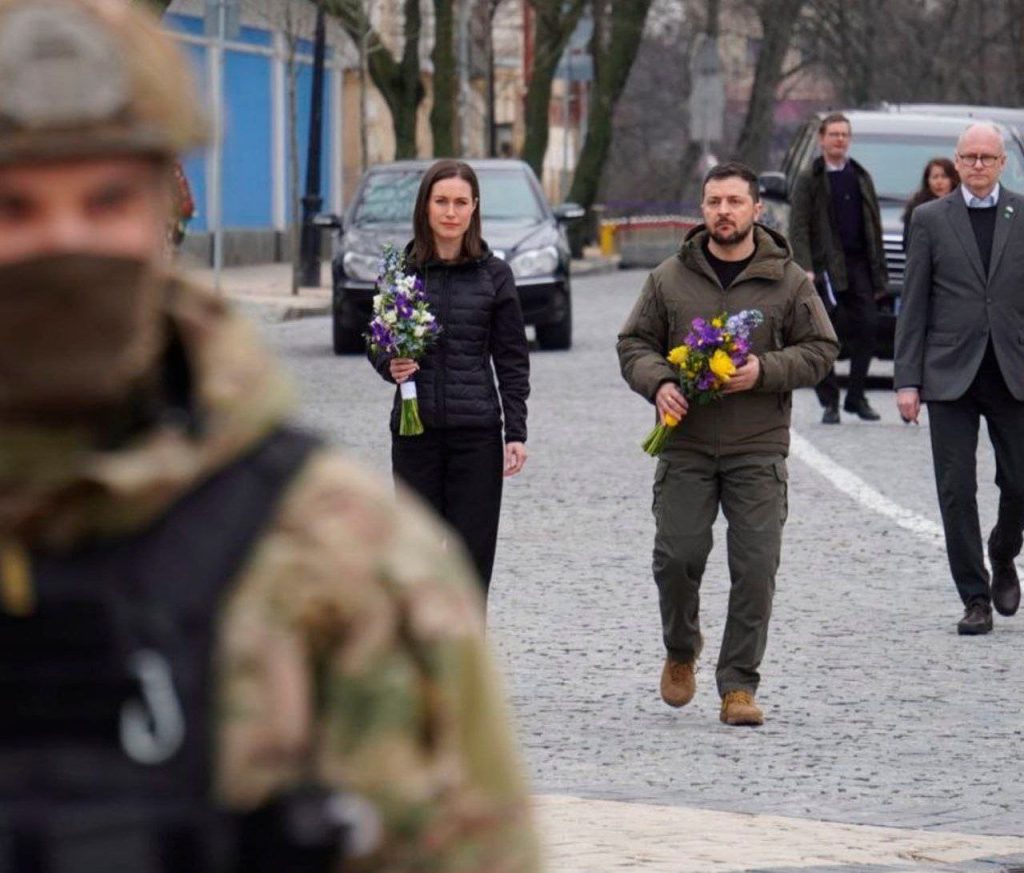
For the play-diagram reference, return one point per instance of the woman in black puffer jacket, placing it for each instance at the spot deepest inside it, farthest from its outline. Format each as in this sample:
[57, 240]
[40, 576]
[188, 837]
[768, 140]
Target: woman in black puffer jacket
[458, 463]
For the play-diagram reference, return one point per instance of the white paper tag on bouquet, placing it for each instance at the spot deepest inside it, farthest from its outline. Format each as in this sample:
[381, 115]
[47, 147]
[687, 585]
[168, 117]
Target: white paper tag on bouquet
[408, 390]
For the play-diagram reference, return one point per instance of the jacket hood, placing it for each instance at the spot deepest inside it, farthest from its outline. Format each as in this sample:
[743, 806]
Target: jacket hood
[771, 251]
[58, 489]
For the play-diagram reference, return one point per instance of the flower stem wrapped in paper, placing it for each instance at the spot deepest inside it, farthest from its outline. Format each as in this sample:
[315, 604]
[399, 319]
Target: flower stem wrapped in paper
[711, 352]
[403, 327]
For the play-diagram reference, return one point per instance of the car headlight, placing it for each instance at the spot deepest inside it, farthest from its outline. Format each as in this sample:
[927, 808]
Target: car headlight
[536, 262]
[362, 267]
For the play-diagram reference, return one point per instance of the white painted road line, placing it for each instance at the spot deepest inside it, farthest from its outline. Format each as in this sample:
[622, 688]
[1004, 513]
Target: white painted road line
[853, 486]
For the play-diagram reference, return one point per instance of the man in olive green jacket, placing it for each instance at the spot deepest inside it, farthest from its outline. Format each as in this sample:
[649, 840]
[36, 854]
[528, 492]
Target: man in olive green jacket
[730, 452]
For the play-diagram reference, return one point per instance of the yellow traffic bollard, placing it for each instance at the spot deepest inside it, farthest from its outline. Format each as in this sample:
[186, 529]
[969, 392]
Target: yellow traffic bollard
[606, 238]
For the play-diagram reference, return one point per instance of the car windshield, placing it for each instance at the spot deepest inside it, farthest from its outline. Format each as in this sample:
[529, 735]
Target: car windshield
[896, 162]
[388, 198]
[506, 195]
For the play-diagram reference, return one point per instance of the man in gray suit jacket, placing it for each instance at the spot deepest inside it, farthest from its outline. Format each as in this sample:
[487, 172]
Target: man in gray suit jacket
[960, 348]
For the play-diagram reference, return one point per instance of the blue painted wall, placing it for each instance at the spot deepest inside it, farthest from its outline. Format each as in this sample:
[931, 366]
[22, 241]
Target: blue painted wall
[195, 164]
[248, 142]
[190, 24]
[248, 160]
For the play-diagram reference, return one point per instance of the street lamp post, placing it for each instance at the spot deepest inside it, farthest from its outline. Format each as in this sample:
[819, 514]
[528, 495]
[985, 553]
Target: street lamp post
[222, 22]
[309, 256]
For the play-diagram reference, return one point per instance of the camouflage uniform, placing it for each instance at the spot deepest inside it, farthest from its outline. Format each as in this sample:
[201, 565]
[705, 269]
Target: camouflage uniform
[349, 651]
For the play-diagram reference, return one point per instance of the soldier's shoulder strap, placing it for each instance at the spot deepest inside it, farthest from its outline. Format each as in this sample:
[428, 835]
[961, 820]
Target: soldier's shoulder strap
[210, 531]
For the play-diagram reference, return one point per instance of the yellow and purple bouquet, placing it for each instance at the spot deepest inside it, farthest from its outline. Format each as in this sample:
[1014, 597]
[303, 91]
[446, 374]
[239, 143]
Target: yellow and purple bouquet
[711, 352]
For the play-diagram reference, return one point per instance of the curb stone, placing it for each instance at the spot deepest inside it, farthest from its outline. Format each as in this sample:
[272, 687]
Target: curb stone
[594, 266]
[274, 311]
[585, 835]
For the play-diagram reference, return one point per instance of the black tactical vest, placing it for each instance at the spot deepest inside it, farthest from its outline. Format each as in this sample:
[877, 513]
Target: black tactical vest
[105, 688]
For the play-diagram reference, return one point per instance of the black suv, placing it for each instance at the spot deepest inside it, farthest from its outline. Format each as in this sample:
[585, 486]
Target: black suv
[894, 148]
[518, 224]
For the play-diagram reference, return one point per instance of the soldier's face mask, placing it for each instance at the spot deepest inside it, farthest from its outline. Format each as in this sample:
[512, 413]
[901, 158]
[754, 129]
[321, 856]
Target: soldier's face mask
[77, 333]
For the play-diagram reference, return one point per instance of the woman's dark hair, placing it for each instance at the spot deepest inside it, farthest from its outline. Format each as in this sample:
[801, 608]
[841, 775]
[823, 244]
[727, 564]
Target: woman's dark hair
[947, 167]
[924, 193]
[423, 249]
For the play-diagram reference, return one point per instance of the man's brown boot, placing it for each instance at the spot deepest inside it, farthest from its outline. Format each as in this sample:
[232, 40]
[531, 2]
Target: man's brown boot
[678, 683]
[738, 707]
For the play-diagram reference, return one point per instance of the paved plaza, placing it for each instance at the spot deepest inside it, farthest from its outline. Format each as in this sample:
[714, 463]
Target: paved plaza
[878, 715]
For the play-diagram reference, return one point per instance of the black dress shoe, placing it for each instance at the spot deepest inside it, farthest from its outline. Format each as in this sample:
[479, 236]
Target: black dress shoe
[861, 408]
[831, 414]
[1005, 586]
[977, 620]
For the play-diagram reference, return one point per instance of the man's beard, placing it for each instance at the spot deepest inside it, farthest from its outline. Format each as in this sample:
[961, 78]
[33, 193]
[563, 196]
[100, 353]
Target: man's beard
[734, 238]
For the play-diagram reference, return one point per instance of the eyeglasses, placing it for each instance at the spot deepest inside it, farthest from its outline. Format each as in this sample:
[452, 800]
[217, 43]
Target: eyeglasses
[972, 160]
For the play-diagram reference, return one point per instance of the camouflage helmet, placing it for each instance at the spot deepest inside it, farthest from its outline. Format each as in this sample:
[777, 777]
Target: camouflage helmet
[91, 78]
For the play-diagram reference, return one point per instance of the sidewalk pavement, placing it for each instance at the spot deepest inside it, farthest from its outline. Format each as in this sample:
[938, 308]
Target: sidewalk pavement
[600, 836]
[265, 291]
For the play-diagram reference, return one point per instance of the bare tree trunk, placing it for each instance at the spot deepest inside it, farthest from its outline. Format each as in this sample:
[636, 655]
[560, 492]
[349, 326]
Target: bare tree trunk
[442, 115]
[777, 25]
[614, 50]
[872, 13]
[364, 141]
[711, 27]
[554, 26]
[489, 10]
[410, 93]
[398, 81]
[688, 164]
[689, 161]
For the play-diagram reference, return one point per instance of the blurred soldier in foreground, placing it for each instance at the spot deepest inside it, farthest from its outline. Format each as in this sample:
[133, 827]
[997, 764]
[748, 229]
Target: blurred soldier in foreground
[213, 633]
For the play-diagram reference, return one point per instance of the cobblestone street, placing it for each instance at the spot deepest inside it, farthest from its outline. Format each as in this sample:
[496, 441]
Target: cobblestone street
[877, 713]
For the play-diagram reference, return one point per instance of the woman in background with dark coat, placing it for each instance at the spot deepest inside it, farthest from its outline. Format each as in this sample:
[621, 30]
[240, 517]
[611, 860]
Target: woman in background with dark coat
[474, 423]
[939, 178]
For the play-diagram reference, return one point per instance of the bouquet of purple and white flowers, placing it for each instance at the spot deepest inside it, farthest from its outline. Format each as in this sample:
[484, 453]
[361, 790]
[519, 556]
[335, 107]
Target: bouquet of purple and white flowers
[402, 327]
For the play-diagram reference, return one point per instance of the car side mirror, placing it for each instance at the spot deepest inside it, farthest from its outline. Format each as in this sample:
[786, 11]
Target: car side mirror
[569, 212]
[773, 185]
[328, 220]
